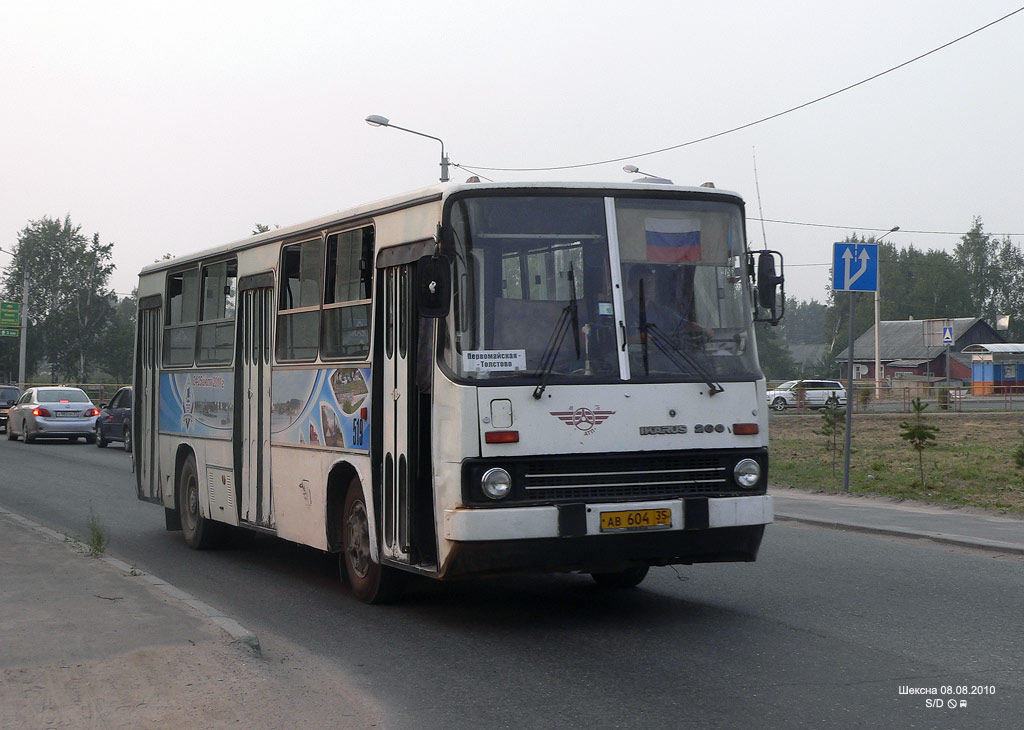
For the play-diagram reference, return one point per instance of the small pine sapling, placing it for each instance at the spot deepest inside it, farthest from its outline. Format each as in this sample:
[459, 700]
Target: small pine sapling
[1018, 454]
[919, 433]
[833, 426]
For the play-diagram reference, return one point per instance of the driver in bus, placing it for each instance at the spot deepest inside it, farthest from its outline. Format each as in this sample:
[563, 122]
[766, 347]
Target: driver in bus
[657, 314]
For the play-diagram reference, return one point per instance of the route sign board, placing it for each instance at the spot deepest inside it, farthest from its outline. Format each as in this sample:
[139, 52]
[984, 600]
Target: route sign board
[10, 314]
[9, 333]
[855, 267]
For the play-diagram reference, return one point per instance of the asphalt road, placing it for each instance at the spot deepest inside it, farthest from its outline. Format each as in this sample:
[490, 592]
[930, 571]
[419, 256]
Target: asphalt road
[821, 632]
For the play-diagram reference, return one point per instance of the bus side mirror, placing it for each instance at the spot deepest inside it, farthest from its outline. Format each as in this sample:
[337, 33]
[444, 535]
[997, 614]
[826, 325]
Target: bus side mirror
[433, 297]
[769, 285]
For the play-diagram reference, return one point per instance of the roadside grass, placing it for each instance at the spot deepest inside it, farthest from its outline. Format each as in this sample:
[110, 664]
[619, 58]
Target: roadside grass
[97, 539]
[972, 462]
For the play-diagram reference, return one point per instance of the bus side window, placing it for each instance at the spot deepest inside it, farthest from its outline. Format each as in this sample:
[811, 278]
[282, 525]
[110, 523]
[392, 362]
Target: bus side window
[346, 326]
[298, 319]
[217, 313]
[180, 325]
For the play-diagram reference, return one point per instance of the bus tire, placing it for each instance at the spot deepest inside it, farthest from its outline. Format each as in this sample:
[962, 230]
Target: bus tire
[200, 533]
[628, 578]
[371, 582]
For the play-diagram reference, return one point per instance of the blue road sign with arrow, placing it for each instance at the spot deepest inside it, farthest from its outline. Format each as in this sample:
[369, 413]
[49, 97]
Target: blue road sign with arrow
[855, 267]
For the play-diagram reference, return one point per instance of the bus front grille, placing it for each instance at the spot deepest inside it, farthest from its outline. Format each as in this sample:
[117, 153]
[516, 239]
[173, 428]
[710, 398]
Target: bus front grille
[626, 478]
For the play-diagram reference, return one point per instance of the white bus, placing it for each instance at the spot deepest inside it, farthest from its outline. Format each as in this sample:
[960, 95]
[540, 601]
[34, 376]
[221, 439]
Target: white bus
[468, 380]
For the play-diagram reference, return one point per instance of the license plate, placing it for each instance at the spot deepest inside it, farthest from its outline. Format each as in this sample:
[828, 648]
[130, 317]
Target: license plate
[635, 520]
[66, 414]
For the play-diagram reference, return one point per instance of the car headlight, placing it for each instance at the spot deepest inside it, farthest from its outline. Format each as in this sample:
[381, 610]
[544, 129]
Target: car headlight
[496, 483]
[747, 473]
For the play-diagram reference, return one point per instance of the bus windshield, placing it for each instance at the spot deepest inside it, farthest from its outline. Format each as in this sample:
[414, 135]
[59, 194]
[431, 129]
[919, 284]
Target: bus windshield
[536, 292]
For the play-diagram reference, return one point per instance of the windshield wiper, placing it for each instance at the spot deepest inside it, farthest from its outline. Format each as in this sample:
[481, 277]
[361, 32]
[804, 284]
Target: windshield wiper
[678, 356]
[669, 348]
[570, 315]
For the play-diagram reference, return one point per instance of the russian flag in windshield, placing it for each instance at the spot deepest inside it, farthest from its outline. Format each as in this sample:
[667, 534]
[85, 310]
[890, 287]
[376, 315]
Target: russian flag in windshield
[673, 241]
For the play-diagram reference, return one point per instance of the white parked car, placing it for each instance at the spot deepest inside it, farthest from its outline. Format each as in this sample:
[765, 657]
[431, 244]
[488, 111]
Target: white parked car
[816, 394]
[53, 412]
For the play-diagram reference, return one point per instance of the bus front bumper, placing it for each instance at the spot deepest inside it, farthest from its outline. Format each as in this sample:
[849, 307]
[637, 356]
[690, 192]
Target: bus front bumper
[567, 538]
[581, 520]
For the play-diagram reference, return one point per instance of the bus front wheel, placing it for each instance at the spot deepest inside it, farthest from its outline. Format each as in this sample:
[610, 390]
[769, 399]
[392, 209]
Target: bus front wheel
[371, 582]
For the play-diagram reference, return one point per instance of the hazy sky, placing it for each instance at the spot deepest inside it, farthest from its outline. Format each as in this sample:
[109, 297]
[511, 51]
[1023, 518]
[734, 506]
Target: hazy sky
[176, 127]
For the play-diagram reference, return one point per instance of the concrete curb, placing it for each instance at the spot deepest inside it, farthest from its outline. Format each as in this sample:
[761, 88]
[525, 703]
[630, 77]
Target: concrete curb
[234, 629]
[939, 537]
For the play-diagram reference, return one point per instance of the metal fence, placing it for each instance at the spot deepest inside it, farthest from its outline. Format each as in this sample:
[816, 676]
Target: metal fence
[897, 398]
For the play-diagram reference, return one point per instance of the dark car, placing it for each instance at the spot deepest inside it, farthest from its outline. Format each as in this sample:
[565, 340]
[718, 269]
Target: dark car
[115, 420]
[9, 395]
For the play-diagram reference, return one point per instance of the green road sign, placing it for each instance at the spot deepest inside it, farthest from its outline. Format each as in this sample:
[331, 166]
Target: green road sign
[10, 314]
[9, 333]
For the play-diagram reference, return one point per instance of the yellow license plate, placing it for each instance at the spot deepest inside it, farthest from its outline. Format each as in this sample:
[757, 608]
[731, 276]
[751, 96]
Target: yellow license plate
[636, 519]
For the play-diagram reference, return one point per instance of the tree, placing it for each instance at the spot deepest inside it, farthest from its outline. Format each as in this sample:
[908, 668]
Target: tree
[804, 322]
[1008, 298]
[776, 362]
[976, 254]
[69, 302]
[918, 433]
[119, 340]
[922, 285]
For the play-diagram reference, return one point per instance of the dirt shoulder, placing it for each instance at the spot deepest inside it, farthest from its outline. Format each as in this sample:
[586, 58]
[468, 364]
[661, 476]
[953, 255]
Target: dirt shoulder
[214, 684]
[86, 645]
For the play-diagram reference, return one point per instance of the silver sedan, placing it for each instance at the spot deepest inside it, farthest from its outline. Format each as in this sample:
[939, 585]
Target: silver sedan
[53, 412]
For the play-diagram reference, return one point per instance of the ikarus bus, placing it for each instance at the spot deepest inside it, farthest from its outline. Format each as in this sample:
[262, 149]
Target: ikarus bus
[468, 380]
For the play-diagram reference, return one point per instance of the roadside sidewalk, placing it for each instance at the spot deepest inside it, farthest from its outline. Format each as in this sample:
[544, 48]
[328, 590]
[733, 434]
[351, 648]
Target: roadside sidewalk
[89, 642]
[950, 525]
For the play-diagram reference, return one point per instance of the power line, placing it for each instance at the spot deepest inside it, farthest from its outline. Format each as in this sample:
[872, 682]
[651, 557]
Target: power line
[866, 228]
[756, 122]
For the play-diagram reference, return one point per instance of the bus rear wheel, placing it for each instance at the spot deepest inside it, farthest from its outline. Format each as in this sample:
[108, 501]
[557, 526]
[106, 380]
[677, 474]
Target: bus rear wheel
[200, 533]
[371, 582]
[628, 578]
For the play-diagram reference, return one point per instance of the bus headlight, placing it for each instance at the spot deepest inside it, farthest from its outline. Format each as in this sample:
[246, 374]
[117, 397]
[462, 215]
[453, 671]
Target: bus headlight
[747, 472]
[496, 483]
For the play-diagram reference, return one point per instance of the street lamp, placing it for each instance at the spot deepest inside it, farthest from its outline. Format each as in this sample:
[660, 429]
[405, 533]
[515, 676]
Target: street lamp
[878, 360]
[649, 178]
[376, 120]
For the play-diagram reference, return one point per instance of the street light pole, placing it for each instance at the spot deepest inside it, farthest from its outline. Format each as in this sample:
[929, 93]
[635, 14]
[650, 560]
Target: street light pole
[878, 359]
[24, 332]
[376, 120]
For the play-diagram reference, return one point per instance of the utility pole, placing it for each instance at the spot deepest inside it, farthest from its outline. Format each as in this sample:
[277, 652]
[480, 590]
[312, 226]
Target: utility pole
[878, 324]
[24, 332]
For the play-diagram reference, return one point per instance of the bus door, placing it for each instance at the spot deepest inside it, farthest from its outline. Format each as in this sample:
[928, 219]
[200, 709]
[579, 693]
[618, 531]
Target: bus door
[146, 411]
[251, 429]
[399, 403]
